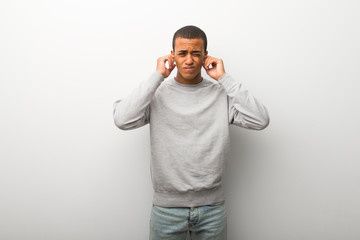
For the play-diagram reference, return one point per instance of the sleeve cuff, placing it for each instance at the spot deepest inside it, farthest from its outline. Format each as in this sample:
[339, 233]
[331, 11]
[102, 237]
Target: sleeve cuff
[157, 76]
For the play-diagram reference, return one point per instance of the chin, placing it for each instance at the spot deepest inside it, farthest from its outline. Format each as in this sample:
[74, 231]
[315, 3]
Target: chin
[189, 76]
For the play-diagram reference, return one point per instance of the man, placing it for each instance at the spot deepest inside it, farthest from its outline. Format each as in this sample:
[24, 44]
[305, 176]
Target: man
[189, 120]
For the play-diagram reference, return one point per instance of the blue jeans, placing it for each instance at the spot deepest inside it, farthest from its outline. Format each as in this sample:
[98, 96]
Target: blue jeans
[203, 223]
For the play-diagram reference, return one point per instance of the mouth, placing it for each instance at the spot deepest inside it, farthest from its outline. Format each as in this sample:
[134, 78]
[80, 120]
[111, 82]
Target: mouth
[189, 68]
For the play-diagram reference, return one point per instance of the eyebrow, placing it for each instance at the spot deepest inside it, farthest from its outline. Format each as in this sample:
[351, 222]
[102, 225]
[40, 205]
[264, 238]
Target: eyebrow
[185, 51]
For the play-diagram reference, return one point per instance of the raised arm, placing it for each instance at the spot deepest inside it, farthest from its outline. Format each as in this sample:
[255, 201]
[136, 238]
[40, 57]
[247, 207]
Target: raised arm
[244, 109]
[134, 110]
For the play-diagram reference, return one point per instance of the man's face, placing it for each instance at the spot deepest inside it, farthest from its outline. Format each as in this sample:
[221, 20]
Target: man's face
[189, 56]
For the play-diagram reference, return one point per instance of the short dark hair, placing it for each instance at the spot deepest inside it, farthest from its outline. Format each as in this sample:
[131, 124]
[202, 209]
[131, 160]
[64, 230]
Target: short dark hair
[190, 32]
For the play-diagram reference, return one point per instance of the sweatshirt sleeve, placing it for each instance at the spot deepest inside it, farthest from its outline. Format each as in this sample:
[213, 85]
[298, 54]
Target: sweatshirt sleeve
[244, 110]
[134, 110]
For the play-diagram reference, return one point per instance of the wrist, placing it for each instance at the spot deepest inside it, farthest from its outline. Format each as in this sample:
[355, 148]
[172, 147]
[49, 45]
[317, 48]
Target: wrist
[162, 73]
[220, 76]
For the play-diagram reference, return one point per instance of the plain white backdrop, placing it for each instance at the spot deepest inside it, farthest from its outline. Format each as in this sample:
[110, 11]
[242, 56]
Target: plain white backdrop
[67, 172]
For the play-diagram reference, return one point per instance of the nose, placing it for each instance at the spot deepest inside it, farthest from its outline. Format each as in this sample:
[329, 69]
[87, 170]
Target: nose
[189, 59]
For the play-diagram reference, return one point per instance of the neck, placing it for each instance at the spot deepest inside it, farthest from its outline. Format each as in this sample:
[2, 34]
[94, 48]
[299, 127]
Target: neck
[182, 80]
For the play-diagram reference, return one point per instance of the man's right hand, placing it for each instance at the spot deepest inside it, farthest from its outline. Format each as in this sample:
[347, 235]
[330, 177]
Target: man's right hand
[161, 67]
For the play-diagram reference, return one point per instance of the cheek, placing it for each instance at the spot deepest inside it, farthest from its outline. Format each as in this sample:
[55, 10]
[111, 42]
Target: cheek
[200, 61]
[177, 61]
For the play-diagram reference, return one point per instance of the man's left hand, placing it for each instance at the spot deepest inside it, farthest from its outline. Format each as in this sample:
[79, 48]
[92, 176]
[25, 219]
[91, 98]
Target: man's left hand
[217, 69]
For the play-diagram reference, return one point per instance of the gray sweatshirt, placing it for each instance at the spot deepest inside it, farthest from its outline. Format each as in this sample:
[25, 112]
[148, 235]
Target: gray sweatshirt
[189, 133]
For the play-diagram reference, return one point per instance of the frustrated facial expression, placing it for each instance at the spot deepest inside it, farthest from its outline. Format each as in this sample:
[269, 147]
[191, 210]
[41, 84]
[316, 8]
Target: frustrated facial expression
[189, 56]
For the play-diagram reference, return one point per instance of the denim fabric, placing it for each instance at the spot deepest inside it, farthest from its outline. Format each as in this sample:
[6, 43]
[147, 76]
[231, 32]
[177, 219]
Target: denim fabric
[203, 223]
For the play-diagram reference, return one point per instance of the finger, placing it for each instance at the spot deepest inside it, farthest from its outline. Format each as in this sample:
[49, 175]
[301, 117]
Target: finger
[173, 66]
[160, 60]
[166, 62]
[213, 62]
[163, 62]
[169, 59]
[209, 61]
[206, 62]
[171, 62]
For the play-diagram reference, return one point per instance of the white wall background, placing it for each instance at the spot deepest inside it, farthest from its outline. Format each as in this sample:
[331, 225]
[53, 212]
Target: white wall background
[67, 172]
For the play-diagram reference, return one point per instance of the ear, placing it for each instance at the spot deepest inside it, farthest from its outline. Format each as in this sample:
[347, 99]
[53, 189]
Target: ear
[172, 53]
[206, 53]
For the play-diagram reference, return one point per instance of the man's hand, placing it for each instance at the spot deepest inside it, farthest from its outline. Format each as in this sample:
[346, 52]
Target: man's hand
[161, 67]
[217, 69]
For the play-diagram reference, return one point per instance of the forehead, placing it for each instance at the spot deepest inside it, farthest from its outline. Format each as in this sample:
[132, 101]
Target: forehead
[187, 44]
